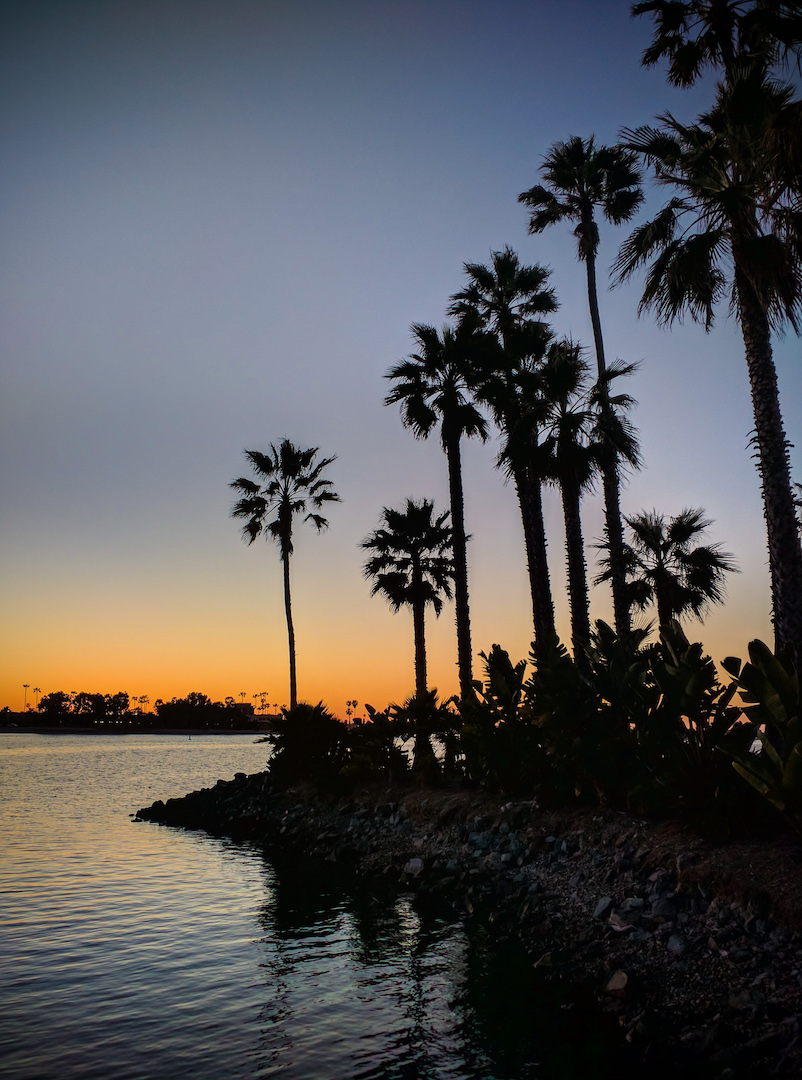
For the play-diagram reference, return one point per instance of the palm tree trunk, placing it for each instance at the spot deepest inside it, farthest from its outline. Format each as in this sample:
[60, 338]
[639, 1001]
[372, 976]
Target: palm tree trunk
[577, 575]
[531, 504]
[614, 531]
[662, 597]
[611, 481]
[285, 559]
[593, 303]
[460, 545]
[785, 555]
[420, 649]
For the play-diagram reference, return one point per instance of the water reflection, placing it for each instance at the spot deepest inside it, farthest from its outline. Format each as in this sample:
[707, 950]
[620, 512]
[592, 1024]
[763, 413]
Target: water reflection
[149, 954]
[360, 982]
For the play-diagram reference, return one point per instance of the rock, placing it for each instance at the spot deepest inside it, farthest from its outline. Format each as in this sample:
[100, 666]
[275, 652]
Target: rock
[617, 985]
[677, 945]
[619, 924]
[603, 908]
[414, 868]
[664, 911]
[631, 904]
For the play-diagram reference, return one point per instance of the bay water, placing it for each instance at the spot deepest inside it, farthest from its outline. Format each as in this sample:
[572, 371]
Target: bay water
[137, 952]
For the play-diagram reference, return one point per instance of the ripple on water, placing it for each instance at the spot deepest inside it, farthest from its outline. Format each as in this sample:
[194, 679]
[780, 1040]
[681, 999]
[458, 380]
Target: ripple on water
[142, 953]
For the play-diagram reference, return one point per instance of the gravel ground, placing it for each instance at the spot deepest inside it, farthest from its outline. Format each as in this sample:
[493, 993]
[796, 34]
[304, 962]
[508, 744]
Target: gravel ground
[695, 947]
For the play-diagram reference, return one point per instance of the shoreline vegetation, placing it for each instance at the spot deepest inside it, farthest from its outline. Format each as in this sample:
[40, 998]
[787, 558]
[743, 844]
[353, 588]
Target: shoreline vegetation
[692, 946]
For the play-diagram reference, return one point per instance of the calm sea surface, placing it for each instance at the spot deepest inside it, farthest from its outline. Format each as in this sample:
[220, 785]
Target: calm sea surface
[133, 951]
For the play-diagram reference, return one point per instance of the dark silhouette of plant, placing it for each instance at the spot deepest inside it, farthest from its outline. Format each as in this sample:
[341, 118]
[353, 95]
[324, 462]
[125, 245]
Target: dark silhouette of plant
[412, 566]
[733, 221]
[570, 460]
[669, 567]
[734, 37]
[505, 301]
[308, 744]
[422, 717]
[687, 733]
[769, 688]
[375, 749]
[432, 388]
[291, 482]
[580, 179]
[501, 744]
[56, 703]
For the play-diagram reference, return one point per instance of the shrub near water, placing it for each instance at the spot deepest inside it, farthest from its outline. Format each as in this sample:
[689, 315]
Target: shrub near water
[650, 729]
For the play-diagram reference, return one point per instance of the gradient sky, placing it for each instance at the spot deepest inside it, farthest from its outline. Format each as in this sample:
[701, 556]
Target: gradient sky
[219, 220]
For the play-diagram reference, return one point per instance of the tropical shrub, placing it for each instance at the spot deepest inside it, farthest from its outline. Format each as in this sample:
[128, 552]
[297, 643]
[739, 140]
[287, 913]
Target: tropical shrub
[500, 745]
[686, 733]
[423, 718]
[768, 686]
[309, 744]
[374, 748]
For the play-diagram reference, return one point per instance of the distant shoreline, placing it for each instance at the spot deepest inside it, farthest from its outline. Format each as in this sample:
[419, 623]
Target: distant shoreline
[41, 730]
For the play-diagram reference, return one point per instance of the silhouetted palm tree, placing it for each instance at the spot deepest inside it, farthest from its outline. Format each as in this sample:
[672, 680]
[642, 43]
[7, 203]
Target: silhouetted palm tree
[736, 37]
[412, 565]
[505, 301]
[431, 387]
[571, 461]
[291, 482]
[582, 178]
[669, 567]
[734, 220]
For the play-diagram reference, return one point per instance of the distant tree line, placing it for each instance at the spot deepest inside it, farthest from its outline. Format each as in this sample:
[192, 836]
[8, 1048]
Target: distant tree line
[196, 710]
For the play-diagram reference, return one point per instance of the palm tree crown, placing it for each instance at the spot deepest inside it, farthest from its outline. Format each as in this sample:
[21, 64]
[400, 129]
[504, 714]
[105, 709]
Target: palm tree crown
[506, 298]
[734, 207]
[669, 567]
[411, 565]
[432, 387]
[738, 36]
[290, 484]
[580, 178]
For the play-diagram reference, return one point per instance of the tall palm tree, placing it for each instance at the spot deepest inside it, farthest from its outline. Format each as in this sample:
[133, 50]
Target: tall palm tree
[571, 461]
[505, 301]
[734, 220]
[411, 564]
[431, 387]
[582, 178]
[291, 483]
[669, 567]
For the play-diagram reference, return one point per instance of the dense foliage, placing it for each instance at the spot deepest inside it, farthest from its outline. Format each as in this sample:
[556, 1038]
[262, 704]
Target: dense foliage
[650, 729]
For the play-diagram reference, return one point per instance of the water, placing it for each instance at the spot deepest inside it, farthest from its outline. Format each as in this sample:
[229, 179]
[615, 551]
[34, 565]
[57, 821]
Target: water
[148, 953]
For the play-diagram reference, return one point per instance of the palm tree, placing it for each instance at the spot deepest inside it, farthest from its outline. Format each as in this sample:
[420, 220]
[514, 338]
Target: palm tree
[431, 386]
[735, 221]
[738, 37]
[571, 461]
[290, 481]
[582, 178]
[669, 567]
[505, 301]
[411, 564]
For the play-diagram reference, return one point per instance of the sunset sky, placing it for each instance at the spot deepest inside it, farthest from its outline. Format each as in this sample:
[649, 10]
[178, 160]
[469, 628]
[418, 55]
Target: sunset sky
[219, 220]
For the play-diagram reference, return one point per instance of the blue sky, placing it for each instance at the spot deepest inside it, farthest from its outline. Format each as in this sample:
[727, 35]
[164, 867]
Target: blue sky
[218, 222]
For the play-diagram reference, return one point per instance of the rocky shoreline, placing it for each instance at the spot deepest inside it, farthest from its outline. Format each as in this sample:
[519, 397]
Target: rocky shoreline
[695, 947]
